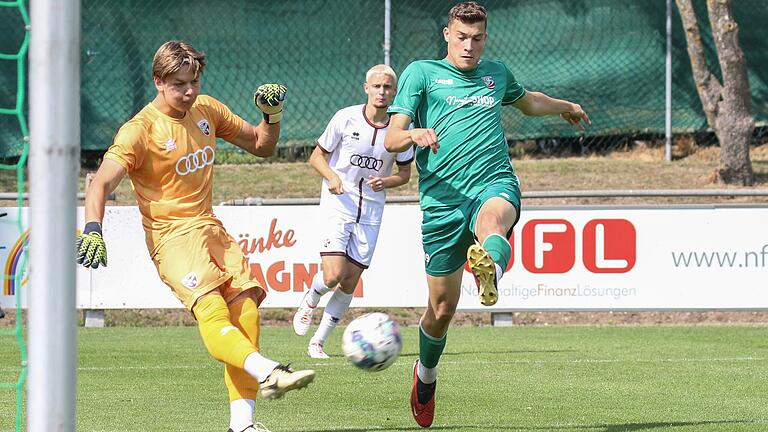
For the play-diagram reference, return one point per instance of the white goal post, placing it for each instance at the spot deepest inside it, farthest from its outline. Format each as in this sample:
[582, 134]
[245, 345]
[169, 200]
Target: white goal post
[54, 105]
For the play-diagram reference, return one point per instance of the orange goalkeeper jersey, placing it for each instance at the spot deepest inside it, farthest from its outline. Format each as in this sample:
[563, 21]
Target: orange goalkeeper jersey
[170, 164]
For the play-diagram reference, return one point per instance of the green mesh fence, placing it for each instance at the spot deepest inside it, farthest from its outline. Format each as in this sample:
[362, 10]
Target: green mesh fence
[13, 378]
[609, 55]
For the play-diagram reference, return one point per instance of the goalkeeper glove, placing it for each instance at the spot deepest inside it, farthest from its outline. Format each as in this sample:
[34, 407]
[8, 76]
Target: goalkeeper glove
[269, 99]
[91, 250]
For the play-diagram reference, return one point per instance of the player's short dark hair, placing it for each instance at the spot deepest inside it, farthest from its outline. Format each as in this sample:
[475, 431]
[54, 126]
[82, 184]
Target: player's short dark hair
[468, 13]
[175, 54]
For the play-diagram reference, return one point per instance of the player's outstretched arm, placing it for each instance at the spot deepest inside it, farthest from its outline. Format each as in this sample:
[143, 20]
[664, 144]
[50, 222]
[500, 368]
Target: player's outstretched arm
[91, 249]
[539, 104]
[399, 138]
[262, 140]
[319, 161]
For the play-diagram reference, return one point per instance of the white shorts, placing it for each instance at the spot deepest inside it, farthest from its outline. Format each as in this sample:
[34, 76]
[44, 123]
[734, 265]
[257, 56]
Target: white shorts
[355, 241]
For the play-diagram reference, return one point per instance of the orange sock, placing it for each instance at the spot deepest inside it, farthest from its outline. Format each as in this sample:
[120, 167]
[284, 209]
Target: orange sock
[223, 340]
[244, 314]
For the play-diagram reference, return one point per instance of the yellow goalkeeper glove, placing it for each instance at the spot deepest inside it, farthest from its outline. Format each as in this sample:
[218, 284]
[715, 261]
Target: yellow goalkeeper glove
[269, 99]
[91, 250]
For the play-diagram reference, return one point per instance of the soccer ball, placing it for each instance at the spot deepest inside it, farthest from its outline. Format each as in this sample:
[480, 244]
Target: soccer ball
[372, 342]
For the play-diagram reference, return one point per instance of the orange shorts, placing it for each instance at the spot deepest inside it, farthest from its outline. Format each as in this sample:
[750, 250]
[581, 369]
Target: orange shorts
[203, 260]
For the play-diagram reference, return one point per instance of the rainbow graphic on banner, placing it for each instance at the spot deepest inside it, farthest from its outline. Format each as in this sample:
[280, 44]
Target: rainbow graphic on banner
[12, 264]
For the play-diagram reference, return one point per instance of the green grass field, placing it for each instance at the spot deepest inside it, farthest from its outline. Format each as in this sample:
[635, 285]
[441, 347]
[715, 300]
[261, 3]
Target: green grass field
[567, 379]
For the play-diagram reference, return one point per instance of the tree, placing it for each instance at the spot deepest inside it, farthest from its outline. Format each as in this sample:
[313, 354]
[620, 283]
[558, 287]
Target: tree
[727, 105]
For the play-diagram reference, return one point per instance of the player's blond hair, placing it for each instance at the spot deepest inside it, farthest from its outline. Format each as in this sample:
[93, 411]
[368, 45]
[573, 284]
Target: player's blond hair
[380, 69]
[175, 54]
[468, 13]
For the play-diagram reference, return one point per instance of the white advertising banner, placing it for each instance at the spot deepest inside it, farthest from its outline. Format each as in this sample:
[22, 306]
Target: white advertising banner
[589, 258]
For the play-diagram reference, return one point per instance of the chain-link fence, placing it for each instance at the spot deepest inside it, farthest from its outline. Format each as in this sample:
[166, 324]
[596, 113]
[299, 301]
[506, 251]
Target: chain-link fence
[608, 55]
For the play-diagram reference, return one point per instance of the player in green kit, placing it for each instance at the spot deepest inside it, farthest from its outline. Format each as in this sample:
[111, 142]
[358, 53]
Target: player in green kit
[469, 193]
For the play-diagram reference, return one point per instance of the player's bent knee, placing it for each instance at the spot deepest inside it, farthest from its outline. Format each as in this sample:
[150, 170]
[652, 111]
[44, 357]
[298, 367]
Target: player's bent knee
[444, 310]
[224, 341]
[444, 315]
[331, 279]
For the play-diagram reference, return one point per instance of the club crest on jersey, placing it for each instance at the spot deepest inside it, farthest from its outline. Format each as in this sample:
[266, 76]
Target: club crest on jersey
[489, 82]
[203, 125]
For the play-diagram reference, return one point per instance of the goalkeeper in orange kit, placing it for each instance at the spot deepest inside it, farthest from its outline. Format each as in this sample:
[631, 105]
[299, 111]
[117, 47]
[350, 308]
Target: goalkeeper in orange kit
[168, 150]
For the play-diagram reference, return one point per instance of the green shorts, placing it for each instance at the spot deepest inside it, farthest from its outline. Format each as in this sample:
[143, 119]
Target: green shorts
[447, 232]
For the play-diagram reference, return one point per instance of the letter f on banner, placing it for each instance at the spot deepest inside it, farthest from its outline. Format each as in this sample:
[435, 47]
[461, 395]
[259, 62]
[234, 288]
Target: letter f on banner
[549, 246]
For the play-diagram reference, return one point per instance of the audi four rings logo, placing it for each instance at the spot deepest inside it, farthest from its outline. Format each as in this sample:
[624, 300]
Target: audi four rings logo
[366, 162]
[194, 161]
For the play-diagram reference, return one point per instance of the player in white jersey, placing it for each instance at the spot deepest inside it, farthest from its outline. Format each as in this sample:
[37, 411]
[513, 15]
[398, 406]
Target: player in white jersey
[356, 168]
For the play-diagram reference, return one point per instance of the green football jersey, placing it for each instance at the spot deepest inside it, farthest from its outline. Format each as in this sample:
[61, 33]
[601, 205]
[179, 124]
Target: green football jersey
[464, 109]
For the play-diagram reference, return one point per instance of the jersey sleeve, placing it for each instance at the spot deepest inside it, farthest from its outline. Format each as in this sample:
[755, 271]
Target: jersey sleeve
[411, 88]
[514, 89]
[129, 147]
[405, 157]
[227, 123]
[332, 134]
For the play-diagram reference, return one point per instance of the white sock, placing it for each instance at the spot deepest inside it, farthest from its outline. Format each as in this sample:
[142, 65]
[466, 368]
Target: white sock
[241, 414]
[426, 375]
[259, 366]
[499, 273]
[339, 303]
[317, 289]
[337, 306]
[327, 324]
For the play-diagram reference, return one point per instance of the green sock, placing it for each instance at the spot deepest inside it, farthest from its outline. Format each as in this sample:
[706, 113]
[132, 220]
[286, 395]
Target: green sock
[499, 250]
[430, 348]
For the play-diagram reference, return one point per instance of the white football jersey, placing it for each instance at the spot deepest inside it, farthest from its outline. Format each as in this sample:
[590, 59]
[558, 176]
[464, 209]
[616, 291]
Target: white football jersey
[357, 151]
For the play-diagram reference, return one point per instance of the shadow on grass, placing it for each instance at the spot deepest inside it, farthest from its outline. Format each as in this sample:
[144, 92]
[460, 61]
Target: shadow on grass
[623, 427]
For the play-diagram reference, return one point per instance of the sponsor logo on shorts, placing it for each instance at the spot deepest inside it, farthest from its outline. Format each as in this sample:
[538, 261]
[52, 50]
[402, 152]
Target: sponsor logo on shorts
[190, 280]
[504, 194]
[426, 258]
[196, 160]
[368, 162]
